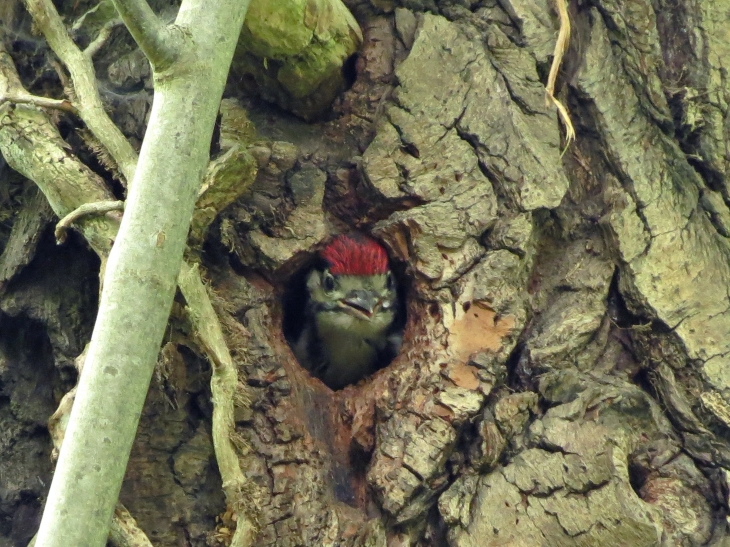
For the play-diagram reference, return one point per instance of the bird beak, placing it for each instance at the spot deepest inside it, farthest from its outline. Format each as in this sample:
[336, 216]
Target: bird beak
[363, 302]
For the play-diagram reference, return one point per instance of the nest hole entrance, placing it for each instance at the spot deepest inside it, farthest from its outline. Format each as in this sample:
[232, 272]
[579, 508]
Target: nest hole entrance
[324, 334]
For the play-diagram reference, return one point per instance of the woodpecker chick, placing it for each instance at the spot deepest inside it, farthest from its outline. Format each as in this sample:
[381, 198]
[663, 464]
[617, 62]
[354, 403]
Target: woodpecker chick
[352, 323]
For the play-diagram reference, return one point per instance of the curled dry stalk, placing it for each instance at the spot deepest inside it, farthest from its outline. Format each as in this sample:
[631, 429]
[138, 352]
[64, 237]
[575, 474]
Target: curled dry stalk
[74, 191]
[561, 46]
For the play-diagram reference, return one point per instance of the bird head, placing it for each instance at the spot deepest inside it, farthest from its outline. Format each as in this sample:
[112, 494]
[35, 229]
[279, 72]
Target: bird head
[354, 285]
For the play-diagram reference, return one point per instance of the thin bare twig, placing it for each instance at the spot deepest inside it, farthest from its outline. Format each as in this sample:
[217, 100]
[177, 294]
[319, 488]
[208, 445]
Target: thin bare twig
[43, 102]
[89, 105]
[96, 208]
[101, 38]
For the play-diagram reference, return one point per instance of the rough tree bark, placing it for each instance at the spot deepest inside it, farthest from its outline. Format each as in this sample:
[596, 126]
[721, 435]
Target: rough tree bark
[563, 379]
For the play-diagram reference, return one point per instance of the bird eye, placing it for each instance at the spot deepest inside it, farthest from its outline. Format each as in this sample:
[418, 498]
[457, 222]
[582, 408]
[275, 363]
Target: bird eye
[389, 281]
[328, 282]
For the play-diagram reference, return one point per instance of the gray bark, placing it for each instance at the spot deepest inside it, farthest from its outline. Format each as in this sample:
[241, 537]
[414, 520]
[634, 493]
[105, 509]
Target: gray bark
[564, 372]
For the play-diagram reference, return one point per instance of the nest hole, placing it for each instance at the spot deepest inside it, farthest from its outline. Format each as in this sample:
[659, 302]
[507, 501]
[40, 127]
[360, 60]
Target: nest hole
[298, 316]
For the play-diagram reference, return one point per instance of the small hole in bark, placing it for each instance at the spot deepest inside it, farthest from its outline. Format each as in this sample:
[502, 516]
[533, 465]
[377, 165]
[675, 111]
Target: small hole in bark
[343, 328]
[638, 475]
[466, 306]
[349, 70]
[411, 149]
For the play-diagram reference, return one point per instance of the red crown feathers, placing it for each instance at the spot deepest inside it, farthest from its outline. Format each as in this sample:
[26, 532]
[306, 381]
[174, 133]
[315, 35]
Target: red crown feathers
[347, 255]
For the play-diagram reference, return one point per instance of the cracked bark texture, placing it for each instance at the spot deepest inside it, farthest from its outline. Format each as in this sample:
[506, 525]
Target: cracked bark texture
[564, 375]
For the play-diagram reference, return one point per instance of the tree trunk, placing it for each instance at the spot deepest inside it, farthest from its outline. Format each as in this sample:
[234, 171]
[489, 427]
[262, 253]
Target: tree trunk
[563, 378]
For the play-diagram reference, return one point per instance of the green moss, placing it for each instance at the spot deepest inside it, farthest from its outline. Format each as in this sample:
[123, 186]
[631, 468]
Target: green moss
[294, 51]
[275, 30]
[303, 75]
